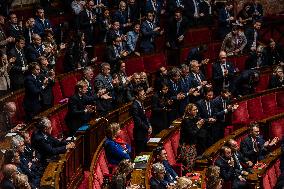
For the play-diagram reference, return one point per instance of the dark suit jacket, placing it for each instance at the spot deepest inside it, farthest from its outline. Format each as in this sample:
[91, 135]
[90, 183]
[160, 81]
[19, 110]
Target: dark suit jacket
[193, 80]
[274, 56]
[33, 52]
[243, 84]
[111, 57]
[85, 20]
[14, 31]
[172, 29]
[218, 77]
[251, 62]
[141, 122]
[115, 153]
[150, 8]
[33, 92]
[47, 93]
[219, 110]
[155, 184]
[147, 37]
[76, 116]
[28, 38]
[275, 82]
[6, 184]
[189, 8]
[47, 146]
[227, 172]
[110, 34]
[202, 109]
[102, 82]
[40, 26]
[121, 17]
[16, 74]
[223, 22]
[194, 54]
[249, 153]
[257, 7]
[249, 33]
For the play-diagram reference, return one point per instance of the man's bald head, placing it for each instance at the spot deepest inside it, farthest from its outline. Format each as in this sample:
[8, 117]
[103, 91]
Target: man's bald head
[10, 108]
[9, 170]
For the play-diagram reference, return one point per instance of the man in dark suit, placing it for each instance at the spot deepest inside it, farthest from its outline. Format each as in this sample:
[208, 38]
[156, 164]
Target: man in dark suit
[8, 171]
[47, 146]
[173, 5]
[252, 35]
[160, 156]
[254, 147]
[157, 180]
[192, 12]
[257, 59]
[6, 119]
[41, 23]
[33, 91]
[142, 127]
[149, 31]
[277, 79]
[104, 82]
[229, 171]
[206, 112]
[115, 52]
[113, 32]
[223, 73]
[245, 83]
[121, 15]
[19, 66]
[35, 49]
[275, 53]
[177, 29]
[241, 162]
[154, 6]
[80, 108]
[225, 20]
[222, 107]
[87, 19]
[29, 30]
[256, 10]
[14, 29]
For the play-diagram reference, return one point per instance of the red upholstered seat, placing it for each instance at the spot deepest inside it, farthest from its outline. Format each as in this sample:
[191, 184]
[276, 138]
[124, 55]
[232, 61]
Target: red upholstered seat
[269, 104]
[208, 70]
[123, 134]
[99, 51]
[133, 65]
[254, 107]
[59, 68]
[265, 182]
[101, 169]
[200, 35]
[183, 54]
[170, 152]
[160, 43]
[280, 99]
[241, 116]
[175, 142]
[56, 126]
[276, 128]
[239, 62]
[129, 129]
[277, 168]
[228, 130]
[263, 83]
[272, 177]
[152, 63]
[103, 163]
[57, 93]
[62, 115]
[20, 109]
[68, 85]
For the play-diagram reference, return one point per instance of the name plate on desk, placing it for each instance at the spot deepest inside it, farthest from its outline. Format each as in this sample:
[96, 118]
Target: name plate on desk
[154, 140]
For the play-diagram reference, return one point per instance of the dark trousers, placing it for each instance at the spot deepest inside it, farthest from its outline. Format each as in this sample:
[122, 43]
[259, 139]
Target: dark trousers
[140, 146]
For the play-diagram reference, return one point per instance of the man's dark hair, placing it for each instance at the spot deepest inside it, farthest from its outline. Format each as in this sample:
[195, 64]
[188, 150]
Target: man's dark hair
[137, 90]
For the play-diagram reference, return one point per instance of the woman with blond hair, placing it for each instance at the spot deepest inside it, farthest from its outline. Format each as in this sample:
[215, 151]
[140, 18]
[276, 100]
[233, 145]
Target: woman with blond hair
[21, 181]
[183, 183]
[115, 147]
[193, 136]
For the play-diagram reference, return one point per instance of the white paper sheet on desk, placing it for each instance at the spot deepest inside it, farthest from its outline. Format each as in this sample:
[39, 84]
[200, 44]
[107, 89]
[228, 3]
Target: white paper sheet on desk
[11, 134]
[155, 140]
[70, 138]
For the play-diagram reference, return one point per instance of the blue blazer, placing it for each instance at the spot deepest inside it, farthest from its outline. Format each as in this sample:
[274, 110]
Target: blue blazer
[115, 153]
[40, 27]
[170, 175]
[148, 35]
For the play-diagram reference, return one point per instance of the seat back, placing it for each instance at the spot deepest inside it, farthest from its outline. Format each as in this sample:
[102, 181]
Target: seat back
[133, 65]
[276, 128]
[241, 116]
[152, 63]
[100, 169]
[280, 99]
[170, 153]
[263, 83]
[254, 107]
[57, 94]
[269, 103]
[67, 84]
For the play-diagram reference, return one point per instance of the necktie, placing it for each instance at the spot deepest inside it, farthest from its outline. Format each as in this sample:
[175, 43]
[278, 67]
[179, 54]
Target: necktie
[255, 146]
[208, 108]
[178, 26]
[198, 78]
[237, 161]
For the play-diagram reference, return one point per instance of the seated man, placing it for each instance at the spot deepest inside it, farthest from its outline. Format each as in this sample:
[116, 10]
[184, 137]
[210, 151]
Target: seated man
[157, 180]
[277, 79]
[7, 118]
[48, 146]
[160, 156]
[254, 147]
[8, 171]
[229, 171]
